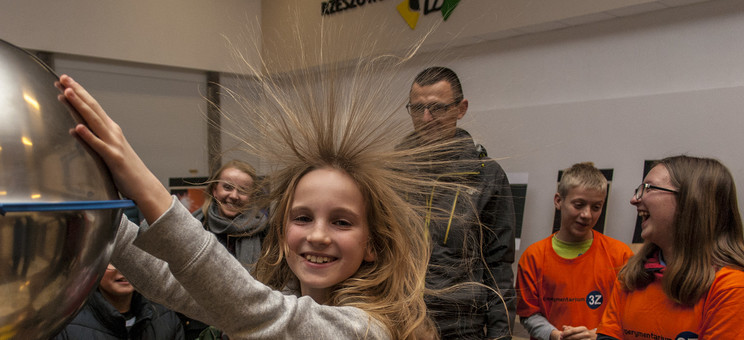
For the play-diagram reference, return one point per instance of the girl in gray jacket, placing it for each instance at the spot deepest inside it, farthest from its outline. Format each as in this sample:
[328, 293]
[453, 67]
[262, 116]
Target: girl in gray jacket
[346, 253]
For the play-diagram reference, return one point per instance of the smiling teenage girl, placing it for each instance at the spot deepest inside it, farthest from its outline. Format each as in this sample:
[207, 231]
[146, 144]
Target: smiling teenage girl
[231, 212]
[687, 280]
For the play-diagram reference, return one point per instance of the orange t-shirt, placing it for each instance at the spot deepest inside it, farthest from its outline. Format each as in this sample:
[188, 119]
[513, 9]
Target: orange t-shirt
[570, 292]
[649, 314]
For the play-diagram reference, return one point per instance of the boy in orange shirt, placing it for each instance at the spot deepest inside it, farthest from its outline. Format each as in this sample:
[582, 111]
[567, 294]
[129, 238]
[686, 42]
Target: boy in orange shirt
[564, 280]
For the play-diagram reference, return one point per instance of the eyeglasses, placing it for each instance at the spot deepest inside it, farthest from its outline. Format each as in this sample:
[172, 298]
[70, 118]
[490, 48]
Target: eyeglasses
[435, 109]
[645, 186]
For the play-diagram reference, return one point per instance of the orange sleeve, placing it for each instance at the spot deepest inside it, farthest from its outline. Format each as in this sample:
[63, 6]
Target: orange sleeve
[623, 252]
[628, 254]
[610, 324]
[527, 285]
[722, 314]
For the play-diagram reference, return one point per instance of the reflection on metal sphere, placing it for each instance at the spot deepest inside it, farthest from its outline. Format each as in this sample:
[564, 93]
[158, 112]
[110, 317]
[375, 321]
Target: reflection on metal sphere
[59, 207]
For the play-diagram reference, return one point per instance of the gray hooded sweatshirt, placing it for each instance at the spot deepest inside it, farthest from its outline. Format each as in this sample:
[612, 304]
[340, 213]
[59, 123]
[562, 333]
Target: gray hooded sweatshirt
[178, 264]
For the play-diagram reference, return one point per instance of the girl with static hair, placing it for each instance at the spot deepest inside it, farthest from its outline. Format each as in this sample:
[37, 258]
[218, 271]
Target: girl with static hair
[687, 280]
[231, 215]
[346, 252]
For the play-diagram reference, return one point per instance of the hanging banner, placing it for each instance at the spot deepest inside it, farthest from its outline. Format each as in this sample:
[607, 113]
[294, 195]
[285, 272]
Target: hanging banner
[335, 6]
[409, 10]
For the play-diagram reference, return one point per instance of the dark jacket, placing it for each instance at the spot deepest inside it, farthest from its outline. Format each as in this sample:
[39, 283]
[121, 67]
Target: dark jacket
[472, 234]
[99, 320]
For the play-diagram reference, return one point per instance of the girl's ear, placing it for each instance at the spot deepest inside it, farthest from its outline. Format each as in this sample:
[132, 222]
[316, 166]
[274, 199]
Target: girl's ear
[369, 254]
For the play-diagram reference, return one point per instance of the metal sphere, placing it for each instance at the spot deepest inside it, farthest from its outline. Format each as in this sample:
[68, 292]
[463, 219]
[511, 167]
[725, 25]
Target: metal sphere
[59, 206]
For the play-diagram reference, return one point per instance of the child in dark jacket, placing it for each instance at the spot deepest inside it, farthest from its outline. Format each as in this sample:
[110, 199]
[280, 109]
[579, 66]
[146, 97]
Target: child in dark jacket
[116, 311]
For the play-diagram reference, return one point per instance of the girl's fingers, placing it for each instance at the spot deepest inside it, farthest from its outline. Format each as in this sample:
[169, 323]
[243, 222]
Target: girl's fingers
[106, 138]
[87, 106]
[89, 138]
[83, 94]
[78, 103]
[79, 97]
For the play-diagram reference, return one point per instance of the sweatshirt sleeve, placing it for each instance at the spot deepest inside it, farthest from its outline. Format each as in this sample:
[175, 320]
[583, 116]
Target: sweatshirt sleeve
[538, 326]
[231, 299]
[151, 276]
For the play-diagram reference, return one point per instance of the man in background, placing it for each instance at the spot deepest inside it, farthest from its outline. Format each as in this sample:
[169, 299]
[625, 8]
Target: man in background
[472, 231]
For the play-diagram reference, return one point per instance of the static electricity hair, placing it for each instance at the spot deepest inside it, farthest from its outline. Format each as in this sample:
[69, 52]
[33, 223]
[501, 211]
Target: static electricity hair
[349, 118]
[214, 180]
[583, 175]
[435, 74]
[706, 236]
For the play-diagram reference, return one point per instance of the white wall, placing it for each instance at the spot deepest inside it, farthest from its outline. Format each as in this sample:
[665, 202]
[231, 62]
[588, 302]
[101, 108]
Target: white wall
[286, 22]
[161, 110]
[233, 132]
[182, 33]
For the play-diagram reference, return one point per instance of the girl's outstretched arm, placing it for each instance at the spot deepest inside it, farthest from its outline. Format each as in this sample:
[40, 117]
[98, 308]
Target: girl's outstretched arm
[133, 179]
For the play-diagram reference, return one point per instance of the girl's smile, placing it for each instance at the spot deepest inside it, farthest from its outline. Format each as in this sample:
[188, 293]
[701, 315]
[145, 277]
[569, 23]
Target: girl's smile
[327, 231]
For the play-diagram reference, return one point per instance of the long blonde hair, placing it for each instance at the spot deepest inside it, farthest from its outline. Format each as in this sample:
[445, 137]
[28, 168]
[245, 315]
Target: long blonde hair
[352, 119]
[707, 232]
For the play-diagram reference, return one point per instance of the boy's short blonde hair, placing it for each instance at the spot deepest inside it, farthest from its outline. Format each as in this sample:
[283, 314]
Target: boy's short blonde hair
[583, 175]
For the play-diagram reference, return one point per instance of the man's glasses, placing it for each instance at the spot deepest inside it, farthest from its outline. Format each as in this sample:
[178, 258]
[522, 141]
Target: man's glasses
[435, 109]
[645, 186]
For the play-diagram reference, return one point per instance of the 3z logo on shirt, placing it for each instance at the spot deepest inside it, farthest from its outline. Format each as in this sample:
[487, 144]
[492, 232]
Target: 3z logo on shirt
[594, 299]
[686, 336]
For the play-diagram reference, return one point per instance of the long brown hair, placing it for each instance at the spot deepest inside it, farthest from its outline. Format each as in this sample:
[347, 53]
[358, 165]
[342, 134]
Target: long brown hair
[707, 233]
